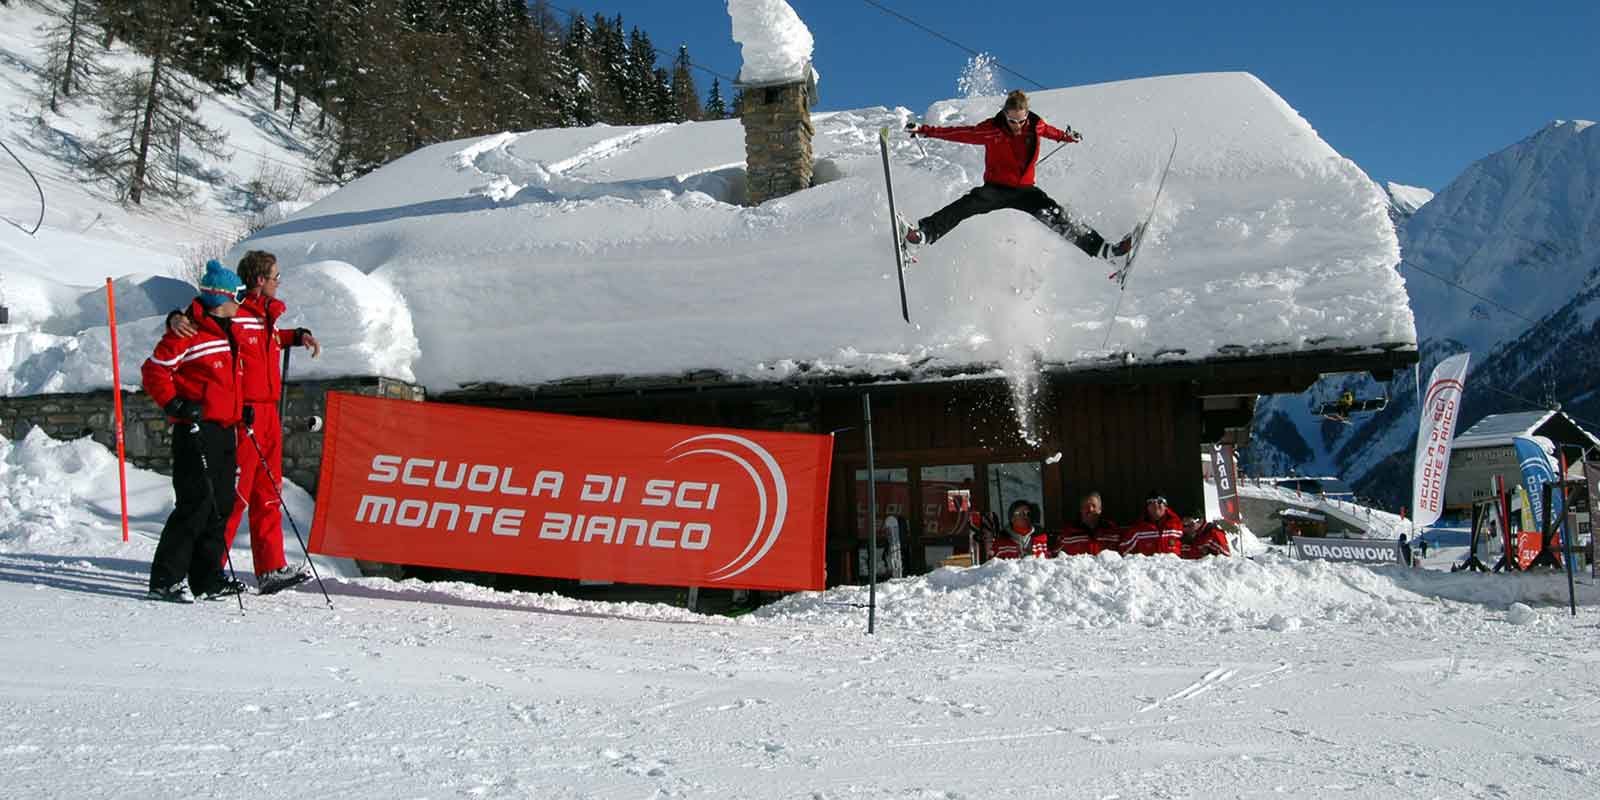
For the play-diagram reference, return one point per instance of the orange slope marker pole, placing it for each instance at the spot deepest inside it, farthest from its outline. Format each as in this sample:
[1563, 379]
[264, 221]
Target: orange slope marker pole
[116, 394]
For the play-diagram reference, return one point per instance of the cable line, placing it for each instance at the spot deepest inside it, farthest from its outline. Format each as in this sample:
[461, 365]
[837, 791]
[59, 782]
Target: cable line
[925, 29]
[1449, 282]
[35, 186]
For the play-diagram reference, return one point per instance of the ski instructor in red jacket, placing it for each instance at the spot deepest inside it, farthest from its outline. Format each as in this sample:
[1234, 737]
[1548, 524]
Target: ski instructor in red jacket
[1010, 150]
[260, 345]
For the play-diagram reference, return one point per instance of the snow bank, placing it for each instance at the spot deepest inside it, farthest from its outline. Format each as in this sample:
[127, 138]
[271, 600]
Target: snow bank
[61, 498]
[776, 45]
[362, 323]
[1109, 591]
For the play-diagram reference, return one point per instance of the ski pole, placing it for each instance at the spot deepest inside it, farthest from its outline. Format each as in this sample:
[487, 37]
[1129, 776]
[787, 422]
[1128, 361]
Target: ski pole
[211, 495]
[1051, 153]
[284, 507]
[283, 386]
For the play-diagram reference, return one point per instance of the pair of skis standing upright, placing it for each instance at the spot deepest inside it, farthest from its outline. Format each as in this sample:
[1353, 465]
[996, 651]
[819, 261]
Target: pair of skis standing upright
[900, 228]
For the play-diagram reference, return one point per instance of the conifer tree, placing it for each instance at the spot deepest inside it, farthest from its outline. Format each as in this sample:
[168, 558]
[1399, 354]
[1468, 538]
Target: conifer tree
[71, 54]
[579, 50]
[151, 114]
[715, 107]
[685, 98]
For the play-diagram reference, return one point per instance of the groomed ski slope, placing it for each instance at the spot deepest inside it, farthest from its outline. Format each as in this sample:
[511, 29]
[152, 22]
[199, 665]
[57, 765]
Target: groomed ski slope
[1077, 677]
[528, 257]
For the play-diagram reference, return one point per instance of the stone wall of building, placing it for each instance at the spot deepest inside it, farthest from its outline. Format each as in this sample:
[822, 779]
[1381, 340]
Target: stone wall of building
[777, 140]
[147, 437]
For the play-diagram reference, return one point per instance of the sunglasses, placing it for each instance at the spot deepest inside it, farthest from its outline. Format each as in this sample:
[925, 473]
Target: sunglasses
[1014, 120]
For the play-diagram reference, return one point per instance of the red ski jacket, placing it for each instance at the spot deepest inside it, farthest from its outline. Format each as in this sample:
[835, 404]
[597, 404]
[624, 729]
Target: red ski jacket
[202, 368]
[1008, 544]
[1146, 538]
[1078, 539]
[1008, 158]
[261, 345]
[1207, 540]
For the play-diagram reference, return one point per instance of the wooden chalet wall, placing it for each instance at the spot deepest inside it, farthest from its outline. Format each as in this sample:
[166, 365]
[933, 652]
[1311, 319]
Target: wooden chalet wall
[1119, 439]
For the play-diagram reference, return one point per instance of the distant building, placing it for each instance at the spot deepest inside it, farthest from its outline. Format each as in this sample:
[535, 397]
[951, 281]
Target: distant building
[1485, 450]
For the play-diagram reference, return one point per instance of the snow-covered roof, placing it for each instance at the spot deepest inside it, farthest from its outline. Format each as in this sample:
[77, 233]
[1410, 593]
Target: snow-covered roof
[526, 258]
[1497, 430]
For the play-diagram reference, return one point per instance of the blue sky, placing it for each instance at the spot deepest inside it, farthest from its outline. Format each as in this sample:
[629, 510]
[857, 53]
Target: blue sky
[1413, 91]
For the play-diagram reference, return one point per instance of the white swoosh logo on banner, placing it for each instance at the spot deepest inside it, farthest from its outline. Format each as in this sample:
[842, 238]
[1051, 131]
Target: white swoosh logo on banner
[773, 527]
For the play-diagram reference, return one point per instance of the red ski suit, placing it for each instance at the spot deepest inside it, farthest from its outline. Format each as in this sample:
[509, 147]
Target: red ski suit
[202, 367]
[1008, 158]
[1146, 538]
[1078, 539]
[261, 473]
[1007, 545]
[1208, 539]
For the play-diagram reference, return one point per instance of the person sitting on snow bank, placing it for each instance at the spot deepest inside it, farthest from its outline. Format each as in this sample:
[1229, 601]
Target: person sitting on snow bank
[1021, 537]
[1201, 539]
[1160, 530]
[1091, 532]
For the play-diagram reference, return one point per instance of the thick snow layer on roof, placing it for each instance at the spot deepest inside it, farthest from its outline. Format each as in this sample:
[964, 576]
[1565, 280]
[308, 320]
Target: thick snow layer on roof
[775, 44]
[550, 254]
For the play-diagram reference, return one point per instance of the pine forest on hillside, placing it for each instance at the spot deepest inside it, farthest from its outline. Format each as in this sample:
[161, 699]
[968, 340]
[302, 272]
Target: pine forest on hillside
[385, 76]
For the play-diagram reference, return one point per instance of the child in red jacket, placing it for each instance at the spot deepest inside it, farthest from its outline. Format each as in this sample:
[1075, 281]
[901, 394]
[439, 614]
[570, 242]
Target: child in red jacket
[196, 380]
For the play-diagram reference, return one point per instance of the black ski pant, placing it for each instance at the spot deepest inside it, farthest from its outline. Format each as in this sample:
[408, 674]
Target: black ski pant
[191, 542]
[1028, 199]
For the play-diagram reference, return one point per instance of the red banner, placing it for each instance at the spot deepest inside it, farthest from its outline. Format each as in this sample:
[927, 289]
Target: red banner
[1529, 543]
[571, 497]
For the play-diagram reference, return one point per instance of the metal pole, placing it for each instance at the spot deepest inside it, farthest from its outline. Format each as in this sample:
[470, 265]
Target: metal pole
[872, 517]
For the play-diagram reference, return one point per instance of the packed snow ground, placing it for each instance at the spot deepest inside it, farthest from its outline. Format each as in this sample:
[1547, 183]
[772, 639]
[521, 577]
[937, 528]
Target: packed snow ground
[1077, 677]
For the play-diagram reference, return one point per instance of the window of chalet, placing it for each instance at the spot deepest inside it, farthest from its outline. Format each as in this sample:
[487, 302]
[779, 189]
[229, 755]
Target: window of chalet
[939, 523]
[917, 494]
[1021, 480]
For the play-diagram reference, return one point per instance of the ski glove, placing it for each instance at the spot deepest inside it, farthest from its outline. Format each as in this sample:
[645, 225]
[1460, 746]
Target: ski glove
[1072, 135]
[183, 410]
[247, 415]
[911, 128]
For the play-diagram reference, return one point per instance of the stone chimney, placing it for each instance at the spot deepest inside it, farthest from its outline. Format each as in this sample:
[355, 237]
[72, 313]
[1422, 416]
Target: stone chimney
[777, 137]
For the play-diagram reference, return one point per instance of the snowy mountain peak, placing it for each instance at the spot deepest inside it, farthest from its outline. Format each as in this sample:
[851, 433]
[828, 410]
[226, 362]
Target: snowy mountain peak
[1517, 227]
[1407, 199]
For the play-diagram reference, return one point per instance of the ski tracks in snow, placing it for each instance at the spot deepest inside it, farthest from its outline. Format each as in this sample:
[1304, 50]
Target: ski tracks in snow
[1218, 677]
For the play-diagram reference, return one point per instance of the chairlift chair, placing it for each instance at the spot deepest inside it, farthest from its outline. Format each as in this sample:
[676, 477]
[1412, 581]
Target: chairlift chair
[1340, 411]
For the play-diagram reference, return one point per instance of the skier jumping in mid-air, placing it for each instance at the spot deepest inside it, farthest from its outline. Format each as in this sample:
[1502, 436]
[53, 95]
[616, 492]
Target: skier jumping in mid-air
[1011, 149]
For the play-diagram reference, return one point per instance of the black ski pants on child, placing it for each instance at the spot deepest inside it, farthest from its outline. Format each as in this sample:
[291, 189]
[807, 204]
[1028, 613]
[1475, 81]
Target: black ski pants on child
[191, 544]
[1028, 199]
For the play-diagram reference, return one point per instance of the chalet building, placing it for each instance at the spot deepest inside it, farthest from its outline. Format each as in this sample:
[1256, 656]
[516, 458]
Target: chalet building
[1123, 431]
[1485, 450]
